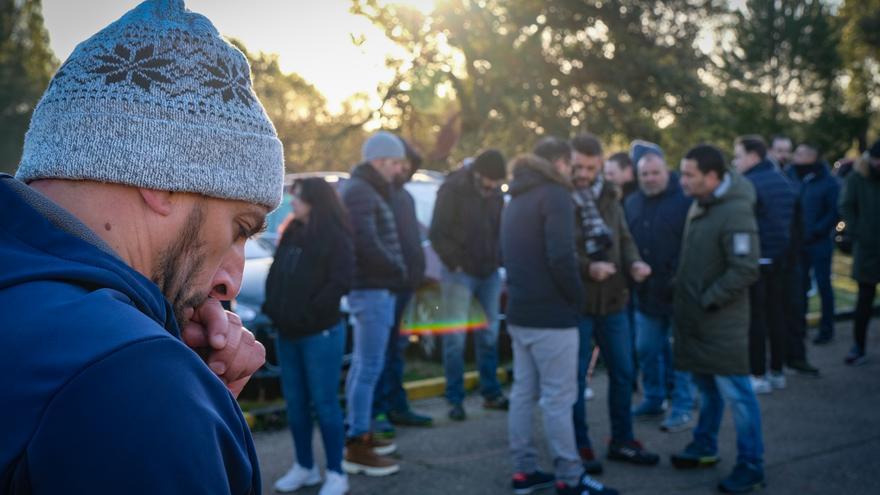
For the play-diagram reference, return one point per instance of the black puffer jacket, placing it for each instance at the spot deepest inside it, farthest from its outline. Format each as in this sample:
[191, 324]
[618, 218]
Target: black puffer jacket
[378, 256]
[465, 228]
[537, 243]
[312, 270]
[409, 232]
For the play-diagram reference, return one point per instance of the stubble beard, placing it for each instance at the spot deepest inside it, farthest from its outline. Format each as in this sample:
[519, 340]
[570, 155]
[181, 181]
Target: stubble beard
[179, 264]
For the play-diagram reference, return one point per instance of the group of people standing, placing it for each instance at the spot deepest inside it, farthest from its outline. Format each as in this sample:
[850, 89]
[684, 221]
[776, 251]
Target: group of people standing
[678, 275]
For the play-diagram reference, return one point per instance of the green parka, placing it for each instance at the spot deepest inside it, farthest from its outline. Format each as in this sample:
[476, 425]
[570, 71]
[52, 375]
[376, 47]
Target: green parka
[719, 261]
[860, 207]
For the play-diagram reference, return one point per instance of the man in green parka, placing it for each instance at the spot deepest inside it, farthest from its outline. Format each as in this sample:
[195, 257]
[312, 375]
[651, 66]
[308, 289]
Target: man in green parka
[860, 207]
[719, 261]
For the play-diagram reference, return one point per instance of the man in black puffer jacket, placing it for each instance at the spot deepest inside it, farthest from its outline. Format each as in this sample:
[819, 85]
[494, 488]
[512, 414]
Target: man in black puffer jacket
[379, 270]
[390, 404]
[464, 232]
[545, 291]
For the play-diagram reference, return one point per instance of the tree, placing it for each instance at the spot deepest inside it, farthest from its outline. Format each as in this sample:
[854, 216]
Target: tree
[860, 49]
[26, 66]
[313, 139]
[519, 69]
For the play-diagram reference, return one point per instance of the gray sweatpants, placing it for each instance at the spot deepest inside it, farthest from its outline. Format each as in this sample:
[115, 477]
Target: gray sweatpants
[545, 373]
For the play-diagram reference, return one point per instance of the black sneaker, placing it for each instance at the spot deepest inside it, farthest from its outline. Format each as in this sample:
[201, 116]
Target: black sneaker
[499, 403]
[589, 461]
[409, 418]
[823, 339]
[855, 357]
[457, 413]
[694, 456]
[586, 486]
[803, 367]
[527, 483]
[632, 452]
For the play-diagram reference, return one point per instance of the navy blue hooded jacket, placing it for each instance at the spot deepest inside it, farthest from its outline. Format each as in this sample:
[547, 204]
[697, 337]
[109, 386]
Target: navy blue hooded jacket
[774, 208]
[656, 223]
[537, 245]
[818, 192]
[99, 394]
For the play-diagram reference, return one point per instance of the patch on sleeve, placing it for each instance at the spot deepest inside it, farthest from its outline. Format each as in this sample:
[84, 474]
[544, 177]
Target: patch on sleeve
[742, 244]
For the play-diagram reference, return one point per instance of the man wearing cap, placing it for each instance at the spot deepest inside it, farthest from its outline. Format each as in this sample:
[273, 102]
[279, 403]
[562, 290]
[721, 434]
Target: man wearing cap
[464, 233]
[379, 271]
[148, 163]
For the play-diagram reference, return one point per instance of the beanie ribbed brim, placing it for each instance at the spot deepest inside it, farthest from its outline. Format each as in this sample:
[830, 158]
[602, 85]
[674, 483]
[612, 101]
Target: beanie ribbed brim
[158, 154]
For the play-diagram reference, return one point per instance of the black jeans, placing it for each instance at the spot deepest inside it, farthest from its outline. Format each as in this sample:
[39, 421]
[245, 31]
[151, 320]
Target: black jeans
[793, 302]
[864, 311]
[767, 320]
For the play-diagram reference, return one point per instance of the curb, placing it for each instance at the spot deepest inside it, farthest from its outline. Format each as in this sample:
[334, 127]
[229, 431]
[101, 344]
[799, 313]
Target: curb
[435, 387]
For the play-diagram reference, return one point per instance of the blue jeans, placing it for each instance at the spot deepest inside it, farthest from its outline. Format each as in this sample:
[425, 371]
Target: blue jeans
[390, 394]
[654, 350]
[372, 312]
[310, 369]
[459, 289]
[614, 338]
[818, 258]
[736, 389]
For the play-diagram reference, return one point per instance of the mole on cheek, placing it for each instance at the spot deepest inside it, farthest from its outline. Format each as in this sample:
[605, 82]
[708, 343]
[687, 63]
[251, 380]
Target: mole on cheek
[108, 227]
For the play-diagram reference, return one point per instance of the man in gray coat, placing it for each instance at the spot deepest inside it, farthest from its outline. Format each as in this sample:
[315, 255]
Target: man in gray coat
[719, 261]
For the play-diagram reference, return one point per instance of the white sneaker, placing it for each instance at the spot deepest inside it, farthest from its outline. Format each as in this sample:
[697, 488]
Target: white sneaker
[336, 484]
[777, 380]
[588, 393]
[297, 478]
[760, 385]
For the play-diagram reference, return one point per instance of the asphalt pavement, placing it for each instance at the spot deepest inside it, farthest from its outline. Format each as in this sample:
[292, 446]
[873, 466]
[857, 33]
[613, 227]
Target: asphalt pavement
[822, 436]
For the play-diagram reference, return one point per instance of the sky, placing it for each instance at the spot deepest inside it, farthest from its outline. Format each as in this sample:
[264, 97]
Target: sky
[312, 37]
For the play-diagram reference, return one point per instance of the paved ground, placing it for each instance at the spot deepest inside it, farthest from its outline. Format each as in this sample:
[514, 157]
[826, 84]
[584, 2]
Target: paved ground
[822, 436]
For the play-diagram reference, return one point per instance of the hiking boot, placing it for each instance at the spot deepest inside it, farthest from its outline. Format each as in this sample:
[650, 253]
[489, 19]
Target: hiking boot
[298, 477]
[524, 484]
[776, 379]
[383, 446]
[803, 367]
[648, 410]
[677, 421]
[589, 461]
[760, 385]
[694, 456]
[632, 452]
[336, 484]
[855, 357]
[498, 403]
[409, 418]
[744, 478]
[586, 486]
[382, 428]
[457, 413]
[361, 458]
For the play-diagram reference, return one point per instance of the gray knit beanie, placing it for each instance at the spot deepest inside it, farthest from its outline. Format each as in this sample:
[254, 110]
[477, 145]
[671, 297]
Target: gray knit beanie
[383, 145]
[157, 100]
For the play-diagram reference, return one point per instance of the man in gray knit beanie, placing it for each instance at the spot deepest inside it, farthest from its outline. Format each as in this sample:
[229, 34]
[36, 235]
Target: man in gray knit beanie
[148, 163]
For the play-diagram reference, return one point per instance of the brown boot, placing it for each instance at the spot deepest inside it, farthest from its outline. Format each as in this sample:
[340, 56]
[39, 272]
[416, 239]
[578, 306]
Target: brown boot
[382, 446]
[360, 457]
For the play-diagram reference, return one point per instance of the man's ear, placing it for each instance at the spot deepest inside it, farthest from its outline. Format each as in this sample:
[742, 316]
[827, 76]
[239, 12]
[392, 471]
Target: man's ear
[158, 201]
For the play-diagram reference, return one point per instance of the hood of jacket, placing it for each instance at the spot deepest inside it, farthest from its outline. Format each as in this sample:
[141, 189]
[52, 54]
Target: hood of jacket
[32, 249]
[535, 172]
[737, 188]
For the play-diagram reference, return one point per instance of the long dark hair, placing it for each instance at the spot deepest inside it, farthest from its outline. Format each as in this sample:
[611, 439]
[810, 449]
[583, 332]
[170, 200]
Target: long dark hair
[327, 210]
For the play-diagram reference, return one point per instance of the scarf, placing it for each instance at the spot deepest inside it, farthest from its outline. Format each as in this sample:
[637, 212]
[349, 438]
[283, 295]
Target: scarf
[597, 235]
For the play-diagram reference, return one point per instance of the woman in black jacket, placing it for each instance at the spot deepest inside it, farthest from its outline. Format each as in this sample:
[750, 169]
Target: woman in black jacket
[312, 270]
